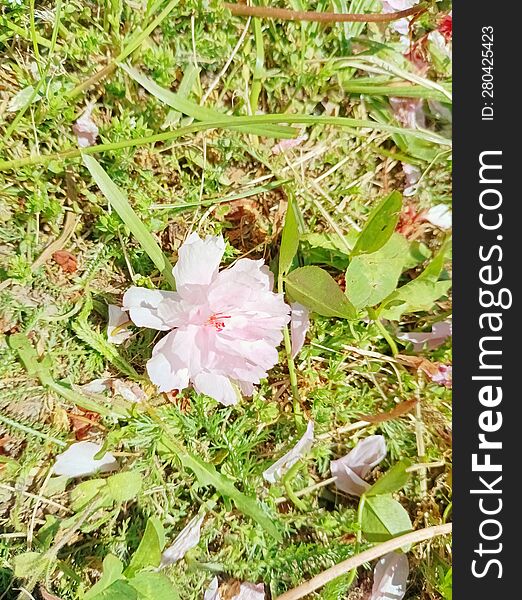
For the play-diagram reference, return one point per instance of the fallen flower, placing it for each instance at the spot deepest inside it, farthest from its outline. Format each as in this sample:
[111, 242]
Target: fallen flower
[224, 327]
[390, 577]
[117, 330]
[350, 470]
[443, 375]
[439, 333]
[78, 460]
[289, 144]
[299, 325]
[279, 468]
[440, 216]
[247, 591]
[86, 129]
[188, 538]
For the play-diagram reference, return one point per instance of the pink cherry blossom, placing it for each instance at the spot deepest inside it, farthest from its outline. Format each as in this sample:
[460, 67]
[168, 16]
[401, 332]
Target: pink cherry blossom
[351, 469]
[224, 326]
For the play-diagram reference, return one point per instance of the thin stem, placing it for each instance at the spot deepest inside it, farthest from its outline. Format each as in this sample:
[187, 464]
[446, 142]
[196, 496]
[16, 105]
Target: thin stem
[332, 573]
[290, 359]
[385, 333]
[284, 14]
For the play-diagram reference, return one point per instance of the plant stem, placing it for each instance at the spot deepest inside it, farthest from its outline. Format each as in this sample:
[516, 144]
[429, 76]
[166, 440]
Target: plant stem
[284, 14]
[385, 333]
[290, 359]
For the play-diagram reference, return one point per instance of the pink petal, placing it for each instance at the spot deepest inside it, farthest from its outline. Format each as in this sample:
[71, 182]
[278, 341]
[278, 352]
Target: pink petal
[218, 387]
[212, 592]
[439, 215]
[250, 591]
[169, 367]
[128, 390]
[412, 175]
[155, 309]
[444, 376]
[187, 539]
[117, 319]
[431, 339]
[284, 145]
[86, 130]
[299, 325]
[198, 260]
[352, 468]
[390, 577]
[409, 112]
[78, 460]
[96, 386]
[279, 468]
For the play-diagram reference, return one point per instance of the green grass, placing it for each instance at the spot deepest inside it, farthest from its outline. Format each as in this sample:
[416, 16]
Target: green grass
[217, 180]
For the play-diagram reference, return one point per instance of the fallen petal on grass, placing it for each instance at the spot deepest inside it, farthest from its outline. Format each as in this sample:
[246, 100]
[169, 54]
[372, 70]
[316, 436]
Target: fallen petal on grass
[303, 446]
[390, 577]
[78, 460]
[299, 325]
[117, 331]
[186, 540]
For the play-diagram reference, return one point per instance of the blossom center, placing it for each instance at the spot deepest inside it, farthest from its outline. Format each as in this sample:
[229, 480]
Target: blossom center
[216, 321]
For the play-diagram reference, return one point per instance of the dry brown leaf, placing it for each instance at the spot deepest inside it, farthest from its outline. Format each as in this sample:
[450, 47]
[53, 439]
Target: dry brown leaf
[66, 260]
[401, 409]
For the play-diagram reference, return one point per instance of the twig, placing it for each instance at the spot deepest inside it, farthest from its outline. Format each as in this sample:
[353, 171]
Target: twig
[284, 14]
[368, 555]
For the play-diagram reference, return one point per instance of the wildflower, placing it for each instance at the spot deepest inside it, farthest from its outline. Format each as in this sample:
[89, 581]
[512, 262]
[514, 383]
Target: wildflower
[352, 468]
[78, 460]
[439, 215]
[187, 539]
[86, 129]
[430, 339]
[299, 325]
[117, 331]
[224, 327]
[390, 577]
[279, 468]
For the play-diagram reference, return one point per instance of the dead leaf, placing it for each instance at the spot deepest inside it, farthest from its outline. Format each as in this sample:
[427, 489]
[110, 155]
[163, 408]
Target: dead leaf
[401, 409]
[66, 260]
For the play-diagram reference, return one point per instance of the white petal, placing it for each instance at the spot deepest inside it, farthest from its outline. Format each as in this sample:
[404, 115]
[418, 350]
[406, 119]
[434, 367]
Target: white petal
[250, 591]
[439, 215]
[78, 460]
[347, 480]
[352, 468]
[279, 468]
[299, 325]
[198, 260]
[117, 320]
[86, 129]
[390, 577]
[187, 539]
[216, 386]
[431, 339]
[151, 308]
[128, 390]
[96, 386]
[212, 592]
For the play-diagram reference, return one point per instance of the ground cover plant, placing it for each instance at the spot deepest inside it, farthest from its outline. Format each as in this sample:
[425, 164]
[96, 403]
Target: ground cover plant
[225, 300]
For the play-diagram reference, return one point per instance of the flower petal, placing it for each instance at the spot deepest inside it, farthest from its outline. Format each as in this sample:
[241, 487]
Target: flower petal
[431, 339]
[198, 260]
[439, 215]
[155, 309]
[390, 577]
[352, 468]
[117, 331]
[216, 386]
[187, 539]
[250, 591]
[212, 592]
[78, 460]
[443, 376]
[299, 325]
[279, 468]
[86, 129]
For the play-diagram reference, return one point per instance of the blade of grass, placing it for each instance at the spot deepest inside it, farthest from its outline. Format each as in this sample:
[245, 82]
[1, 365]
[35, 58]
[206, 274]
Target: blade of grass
[120, 204]
[181, 104]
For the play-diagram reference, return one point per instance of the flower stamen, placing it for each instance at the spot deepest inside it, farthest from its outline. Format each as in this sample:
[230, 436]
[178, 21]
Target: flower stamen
[217, 322]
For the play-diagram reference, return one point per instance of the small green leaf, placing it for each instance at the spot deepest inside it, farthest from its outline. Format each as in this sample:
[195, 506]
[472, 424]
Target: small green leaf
[148, 553]
[392, 481]
[383, 518]
[29, 564]
[207, 475]
[372, 277]
[380, 225]
[289, 239]
[154, 586]
[112, 571]
[119, 590]
[85, 492]
[317, 290]
[125, 486]
[418, 295]
[121, 205]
